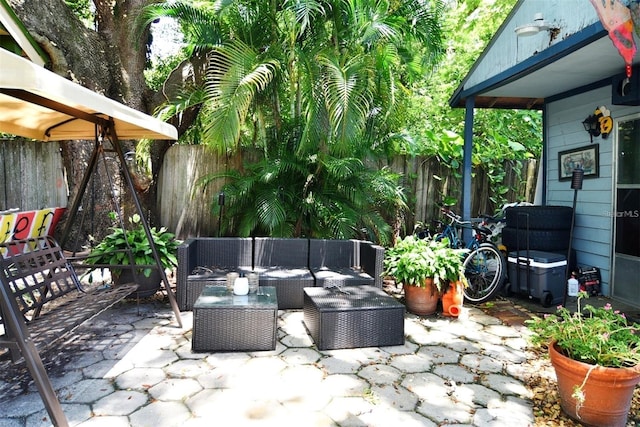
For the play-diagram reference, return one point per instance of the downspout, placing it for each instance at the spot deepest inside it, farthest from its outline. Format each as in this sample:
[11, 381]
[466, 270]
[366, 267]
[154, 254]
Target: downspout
[466, 163]
[545, 154]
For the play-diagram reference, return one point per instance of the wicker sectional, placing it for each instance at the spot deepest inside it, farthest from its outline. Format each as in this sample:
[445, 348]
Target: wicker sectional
[290, 265]
[206, 261]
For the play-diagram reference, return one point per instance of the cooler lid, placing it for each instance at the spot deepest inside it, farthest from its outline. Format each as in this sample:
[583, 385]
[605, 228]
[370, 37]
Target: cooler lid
[539, 256]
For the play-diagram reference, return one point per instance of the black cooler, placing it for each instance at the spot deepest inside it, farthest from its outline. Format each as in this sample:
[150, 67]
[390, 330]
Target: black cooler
[538, 274]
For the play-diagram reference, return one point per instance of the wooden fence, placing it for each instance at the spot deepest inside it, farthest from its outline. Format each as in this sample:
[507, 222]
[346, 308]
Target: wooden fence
[32, 175]
[190, 210]
[35, 179]
[433, 182]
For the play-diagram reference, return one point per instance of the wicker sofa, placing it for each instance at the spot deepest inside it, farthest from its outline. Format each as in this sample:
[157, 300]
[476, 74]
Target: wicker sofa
[289, 265]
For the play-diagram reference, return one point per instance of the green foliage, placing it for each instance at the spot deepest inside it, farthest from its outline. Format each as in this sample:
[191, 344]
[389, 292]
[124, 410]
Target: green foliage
[316, 196]
[412, 260]
[437, 129]
[596, 335]
[313, 86]
[161, 69]
[82, 9]
[114, 248]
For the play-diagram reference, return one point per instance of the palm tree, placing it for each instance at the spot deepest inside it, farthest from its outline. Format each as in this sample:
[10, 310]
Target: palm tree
[316, 86]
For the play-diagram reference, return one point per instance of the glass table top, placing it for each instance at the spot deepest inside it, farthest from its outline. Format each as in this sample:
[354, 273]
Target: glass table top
[220, 297]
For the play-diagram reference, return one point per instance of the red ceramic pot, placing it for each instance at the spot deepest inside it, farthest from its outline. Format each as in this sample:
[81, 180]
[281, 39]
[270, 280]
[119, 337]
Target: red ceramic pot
[452, 300]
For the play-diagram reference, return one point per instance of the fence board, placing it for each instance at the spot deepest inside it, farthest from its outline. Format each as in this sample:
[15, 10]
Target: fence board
[32, 175]
[186, 208]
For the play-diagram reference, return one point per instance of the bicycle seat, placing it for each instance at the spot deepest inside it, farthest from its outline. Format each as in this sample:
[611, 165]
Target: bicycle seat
[483, 230]
[492, 219]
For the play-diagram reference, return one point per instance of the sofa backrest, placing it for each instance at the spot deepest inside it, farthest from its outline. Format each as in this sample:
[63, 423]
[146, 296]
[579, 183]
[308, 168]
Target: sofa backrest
[223, 252]
[371, 260]
[334, 253]
[271, 251]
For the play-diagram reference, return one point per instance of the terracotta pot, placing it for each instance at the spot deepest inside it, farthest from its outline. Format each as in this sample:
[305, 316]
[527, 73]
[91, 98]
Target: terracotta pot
[422, 300]
[452, 300]
[607, 391]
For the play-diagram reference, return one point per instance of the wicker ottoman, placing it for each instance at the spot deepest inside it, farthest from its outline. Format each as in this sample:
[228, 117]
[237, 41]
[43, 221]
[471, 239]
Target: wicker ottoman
[356, 316]
[226, 322]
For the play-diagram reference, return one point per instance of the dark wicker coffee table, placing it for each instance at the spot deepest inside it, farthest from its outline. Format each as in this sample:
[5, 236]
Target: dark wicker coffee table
[226, 322]
[353, 316]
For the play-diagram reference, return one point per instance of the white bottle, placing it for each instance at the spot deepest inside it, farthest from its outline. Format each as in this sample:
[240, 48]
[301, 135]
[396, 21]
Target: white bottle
[573, 286]
[241, 286]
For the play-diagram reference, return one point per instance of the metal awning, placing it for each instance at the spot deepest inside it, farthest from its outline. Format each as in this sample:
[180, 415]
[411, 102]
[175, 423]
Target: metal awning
[37, 103]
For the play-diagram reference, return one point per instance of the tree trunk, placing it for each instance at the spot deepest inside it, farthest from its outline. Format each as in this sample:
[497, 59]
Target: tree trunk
[110, 60]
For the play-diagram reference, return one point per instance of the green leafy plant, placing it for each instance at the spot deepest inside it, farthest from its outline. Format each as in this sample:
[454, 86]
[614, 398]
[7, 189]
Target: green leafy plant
[114, 248]
[412, 260]
[598, 336]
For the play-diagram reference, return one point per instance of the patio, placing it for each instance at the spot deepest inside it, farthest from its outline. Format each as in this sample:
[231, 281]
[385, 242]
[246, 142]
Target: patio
[132, 366]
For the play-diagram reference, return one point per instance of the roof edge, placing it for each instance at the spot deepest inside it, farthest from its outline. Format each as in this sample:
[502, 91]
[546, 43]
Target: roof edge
[486, 49]
[548, 56]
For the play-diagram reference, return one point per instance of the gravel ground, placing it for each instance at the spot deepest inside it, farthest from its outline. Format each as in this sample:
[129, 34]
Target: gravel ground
[546, 402]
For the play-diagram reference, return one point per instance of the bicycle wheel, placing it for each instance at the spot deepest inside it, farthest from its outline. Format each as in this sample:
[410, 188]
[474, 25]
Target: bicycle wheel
[485, 270]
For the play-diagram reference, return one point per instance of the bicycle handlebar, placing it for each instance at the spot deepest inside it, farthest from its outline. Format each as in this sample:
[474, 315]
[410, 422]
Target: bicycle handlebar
[457, 219]
[451, 215]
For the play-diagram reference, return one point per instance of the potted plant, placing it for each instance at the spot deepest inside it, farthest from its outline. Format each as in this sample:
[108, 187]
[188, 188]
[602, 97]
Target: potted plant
[425, 268]
[114, 248]
[596, 356]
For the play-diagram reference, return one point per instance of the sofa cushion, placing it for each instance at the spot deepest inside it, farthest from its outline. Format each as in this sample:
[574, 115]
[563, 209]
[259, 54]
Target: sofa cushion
[327, 277]
[336, 263]
[207, 260]
[269, 252]
[289, 283]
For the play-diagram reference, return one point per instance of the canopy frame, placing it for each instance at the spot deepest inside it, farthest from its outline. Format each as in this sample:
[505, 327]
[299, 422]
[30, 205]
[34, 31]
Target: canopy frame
[42, 105]
[106, 129]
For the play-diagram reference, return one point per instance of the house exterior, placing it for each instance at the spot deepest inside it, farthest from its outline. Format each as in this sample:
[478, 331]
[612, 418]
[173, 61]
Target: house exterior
[566, 65]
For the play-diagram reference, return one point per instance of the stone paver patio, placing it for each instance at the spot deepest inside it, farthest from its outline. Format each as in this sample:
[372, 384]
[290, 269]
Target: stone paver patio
[132, 366]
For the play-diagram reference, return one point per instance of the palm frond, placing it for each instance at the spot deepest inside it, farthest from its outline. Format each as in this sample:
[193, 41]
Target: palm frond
[234, 76]
[347, 99]
[305, 11]
[183, 101]
[199, 24]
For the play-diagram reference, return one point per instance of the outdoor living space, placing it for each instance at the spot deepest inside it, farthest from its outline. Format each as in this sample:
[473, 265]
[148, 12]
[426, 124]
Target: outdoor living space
[133, 366]
[349, 213]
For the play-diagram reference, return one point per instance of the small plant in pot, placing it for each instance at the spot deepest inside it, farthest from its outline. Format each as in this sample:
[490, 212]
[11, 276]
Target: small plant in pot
[425, 268]
[596, 355]
[114, 248]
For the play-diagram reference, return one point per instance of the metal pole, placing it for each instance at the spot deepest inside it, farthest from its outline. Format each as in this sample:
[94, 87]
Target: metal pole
[127, 175]
[221, 204]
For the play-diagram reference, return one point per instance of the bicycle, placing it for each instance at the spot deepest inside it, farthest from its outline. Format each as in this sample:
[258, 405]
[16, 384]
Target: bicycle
[485, 264]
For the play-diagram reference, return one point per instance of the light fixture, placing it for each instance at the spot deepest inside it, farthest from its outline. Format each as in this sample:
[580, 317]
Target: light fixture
[592, 126]
[532, 28]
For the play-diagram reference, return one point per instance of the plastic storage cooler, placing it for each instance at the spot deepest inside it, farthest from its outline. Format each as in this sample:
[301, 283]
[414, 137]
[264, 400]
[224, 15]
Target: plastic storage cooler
[538, 274]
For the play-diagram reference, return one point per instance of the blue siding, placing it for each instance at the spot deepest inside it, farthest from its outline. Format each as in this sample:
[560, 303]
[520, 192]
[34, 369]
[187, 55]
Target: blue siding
[506, 52]
[593, 225]
[593, 231]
